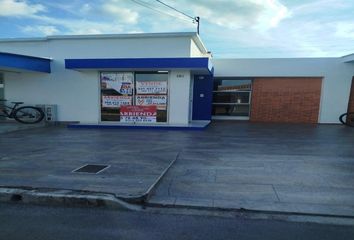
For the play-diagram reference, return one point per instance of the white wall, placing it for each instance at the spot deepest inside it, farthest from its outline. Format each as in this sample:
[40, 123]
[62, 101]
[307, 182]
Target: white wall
[337, 77]
[77, 93]
[195, 51]
[179, 85]
[101, 47]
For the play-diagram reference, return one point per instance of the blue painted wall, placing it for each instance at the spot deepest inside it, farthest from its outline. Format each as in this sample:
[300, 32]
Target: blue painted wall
[202, 104]
[136, 63]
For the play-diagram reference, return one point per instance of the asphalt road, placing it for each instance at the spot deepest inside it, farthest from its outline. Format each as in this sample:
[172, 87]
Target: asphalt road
[19, 221]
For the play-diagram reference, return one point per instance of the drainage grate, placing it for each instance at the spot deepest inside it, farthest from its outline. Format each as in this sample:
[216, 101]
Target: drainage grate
[91, 168]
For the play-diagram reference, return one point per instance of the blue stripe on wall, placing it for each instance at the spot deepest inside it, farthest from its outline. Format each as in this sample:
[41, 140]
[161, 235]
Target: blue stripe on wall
[136, 63]
[23, 62]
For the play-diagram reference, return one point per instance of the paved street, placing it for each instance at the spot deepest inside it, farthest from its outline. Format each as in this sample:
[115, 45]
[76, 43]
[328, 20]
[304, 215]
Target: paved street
[38, 222]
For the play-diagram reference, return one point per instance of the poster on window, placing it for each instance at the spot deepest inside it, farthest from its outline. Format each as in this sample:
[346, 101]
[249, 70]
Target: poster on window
[151, 87]
[141, 114]
[120, 82]
[160, 101]
[116, 101]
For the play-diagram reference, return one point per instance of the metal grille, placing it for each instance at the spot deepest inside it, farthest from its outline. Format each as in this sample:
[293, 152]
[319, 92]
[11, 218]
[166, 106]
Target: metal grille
[91, 168]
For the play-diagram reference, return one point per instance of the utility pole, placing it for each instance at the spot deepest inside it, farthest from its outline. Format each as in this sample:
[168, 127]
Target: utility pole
[197, 20]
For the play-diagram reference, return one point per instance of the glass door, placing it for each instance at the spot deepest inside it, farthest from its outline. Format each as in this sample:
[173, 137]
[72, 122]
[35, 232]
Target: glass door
[231, 98]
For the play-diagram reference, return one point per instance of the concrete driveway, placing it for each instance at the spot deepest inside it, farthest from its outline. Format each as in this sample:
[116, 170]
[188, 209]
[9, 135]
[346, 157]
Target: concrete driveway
[273, 167]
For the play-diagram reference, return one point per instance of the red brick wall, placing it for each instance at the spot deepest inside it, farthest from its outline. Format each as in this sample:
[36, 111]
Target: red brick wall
[288, 100]
[351, 99]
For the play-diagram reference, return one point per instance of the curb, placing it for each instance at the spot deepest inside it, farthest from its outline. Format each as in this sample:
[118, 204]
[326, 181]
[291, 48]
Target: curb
[246, 211]
[252, 214]
[143, 198]
[64, 198]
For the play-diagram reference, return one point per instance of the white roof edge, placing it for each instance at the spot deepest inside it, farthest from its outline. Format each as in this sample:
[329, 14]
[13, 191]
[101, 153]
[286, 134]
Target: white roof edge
[198, 41]
[103, 36]
[348, 58]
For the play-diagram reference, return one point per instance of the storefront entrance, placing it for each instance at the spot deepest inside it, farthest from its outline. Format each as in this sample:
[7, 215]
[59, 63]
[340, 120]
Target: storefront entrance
[232, 98]
[134, 97]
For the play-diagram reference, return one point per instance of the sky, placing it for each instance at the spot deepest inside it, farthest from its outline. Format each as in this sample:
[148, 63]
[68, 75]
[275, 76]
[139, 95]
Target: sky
[228, 28]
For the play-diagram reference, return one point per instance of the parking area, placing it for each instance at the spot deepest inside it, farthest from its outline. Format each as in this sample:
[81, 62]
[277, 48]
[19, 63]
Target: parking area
[274, 167]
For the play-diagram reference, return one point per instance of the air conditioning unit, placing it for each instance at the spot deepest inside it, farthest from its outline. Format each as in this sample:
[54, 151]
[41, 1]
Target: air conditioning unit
[50, 112]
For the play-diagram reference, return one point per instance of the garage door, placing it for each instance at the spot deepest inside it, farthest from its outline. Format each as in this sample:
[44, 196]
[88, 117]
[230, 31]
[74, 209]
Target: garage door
[288, 100]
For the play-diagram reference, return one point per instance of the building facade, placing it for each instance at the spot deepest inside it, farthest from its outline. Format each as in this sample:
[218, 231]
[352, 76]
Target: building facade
[169, 79]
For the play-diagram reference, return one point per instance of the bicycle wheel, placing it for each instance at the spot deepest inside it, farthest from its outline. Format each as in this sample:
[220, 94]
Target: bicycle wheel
[28, 115]
[347, 119]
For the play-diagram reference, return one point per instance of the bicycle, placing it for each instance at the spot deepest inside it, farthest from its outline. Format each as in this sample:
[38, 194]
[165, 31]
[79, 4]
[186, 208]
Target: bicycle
[24, 114]
[347, 119]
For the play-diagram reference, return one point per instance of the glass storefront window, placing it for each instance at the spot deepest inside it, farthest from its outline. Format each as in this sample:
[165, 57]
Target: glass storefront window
[151, 90]
[232, 97]
[116, 91]
[134, 97]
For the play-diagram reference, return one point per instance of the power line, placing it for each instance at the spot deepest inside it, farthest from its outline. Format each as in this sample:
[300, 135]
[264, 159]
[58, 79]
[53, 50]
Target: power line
[195, 19]
[144, 4]
[185, 14]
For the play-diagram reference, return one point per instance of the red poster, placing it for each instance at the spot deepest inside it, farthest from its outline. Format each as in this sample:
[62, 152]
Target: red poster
[144, 114]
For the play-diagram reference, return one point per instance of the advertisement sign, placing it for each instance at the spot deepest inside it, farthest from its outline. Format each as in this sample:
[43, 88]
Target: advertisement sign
[142, 114]
[146, 100]
[121, 82]
[151, 87]
[116, 101]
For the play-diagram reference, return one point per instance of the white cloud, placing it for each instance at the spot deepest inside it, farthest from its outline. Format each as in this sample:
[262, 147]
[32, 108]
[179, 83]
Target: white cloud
[236, 14]
[15, 8]
[345, 30]
[86, 8]
[82, 26]
[41, 30]
[313, 7]
[120, 13]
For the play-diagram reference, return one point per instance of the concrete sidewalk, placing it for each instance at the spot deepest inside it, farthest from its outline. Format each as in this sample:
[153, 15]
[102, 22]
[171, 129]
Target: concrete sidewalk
[265, 167]
[11, 126]
[46, 157]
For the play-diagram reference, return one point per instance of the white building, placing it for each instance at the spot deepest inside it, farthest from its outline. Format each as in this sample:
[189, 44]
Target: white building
[168, 79]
